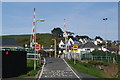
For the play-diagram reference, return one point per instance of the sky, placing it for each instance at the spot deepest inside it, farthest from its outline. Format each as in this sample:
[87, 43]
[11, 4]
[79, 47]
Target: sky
[82, 18]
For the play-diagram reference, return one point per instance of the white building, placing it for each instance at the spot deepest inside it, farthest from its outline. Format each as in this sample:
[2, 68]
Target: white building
[61, 44]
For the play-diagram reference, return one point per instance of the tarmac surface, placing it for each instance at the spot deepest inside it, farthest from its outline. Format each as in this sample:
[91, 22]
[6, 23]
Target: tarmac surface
[58, 69]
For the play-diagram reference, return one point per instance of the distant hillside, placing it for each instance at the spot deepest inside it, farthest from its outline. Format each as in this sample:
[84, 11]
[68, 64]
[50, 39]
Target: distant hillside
[44, 39]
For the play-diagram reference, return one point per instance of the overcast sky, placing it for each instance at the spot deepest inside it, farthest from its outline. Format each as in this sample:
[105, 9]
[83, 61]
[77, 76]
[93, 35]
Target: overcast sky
[83, 18]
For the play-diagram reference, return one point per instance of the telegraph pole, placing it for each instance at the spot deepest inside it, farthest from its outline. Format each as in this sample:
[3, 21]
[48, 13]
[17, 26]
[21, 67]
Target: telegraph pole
[66, 37]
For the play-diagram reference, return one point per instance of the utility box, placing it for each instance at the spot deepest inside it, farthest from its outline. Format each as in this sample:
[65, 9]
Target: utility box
[12, 63]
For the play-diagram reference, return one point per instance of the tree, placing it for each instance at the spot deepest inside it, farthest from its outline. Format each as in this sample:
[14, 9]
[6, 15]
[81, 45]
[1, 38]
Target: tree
[82, 37]
[70, 33]
[98, 37]
[57, 32]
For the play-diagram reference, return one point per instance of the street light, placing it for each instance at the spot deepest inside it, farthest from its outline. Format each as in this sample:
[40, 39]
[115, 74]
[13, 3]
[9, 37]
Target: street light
[105, 19]
[54, 47]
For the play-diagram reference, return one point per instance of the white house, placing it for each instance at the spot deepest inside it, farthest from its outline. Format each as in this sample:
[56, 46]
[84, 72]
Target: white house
[84, 40]
[104, 49]
[72, 41]
[61, 44]
[98, 41]
[84, 44]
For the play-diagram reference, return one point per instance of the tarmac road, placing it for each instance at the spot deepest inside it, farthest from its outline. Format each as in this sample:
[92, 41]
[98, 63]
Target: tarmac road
[58, 69]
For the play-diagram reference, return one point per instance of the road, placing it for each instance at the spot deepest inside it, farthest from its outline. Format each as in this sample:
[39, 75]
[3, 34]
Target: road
[58, 69]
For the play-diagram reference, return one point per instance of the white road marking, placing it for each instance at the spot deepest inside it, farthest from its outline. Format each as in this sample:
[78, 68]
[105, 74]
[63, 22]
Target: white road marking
[42, 69]
[53, 75]
[72, 70]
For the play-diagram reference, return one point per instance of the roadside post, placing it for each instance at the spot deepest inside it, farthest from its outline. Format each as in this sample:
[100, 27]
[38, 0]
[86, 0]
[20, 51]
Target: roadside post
[55, 51]
[75, 49]
[37, 48]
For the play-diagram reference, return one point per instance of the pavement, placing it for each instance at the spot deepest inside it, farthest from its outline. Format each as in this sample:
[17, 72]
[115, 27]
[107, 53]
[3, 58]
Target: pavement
[58, 69]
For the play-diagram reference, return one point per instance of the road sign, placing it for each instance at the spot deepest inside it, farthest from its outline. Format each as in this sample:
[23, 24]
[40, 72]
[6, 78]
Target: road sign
[75, 48]
[37, 47]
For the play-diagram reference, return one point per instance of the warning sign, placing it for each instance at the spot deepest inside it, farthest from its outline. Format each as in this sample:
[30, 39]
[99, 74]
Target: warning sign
[37, 47]
[75, 48]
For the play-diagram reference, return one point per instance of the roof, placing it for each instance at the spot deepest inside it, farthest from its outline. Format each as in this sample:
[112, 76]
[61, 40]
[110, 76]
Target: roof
[62, 41]
[73, 38]
[113, 49]
[98, 37]
[89, 45]
[8, 42]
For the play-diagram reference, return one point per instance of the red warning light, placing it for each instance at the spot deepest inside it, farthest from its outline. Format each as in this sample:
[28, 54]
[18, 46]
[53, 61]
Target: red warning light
[6, 53]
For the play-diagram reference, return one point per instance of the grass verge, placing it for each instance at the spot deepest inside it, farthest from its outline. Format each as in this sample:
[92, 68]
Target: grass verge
[86, 69]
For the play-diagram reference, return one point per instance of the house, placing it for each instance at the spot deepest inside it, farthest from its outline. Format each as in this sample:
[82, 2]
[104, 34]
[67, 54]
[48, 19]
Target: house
[48, 49]
[9, 43]
[103, 48]
[89, 46]
[84, 43]
[66, 34]
[85, 40]
[98, 40]
[72, 41]
[62, 44]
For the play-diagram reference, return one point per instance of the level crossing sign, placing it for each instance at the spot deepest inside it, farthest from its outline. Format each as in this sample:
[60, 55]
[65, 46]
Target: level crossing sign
[37, 46]
[75, 48]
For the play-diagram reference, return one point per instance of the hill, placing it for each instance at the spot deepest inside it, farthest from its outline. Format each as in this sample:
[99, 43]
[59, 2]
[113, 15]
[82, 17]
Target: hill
[44, 39]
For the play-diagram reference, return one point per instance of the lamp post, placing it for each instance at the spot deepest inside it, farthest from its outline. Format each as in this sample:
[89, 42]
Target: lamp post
[105, 19]
[66, 37]
[54, 47]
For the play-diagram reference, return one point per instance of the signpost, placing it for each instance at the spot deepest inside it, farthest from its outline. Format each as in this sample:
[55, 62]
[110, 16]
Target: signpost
[75, 48]
[37, 48]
